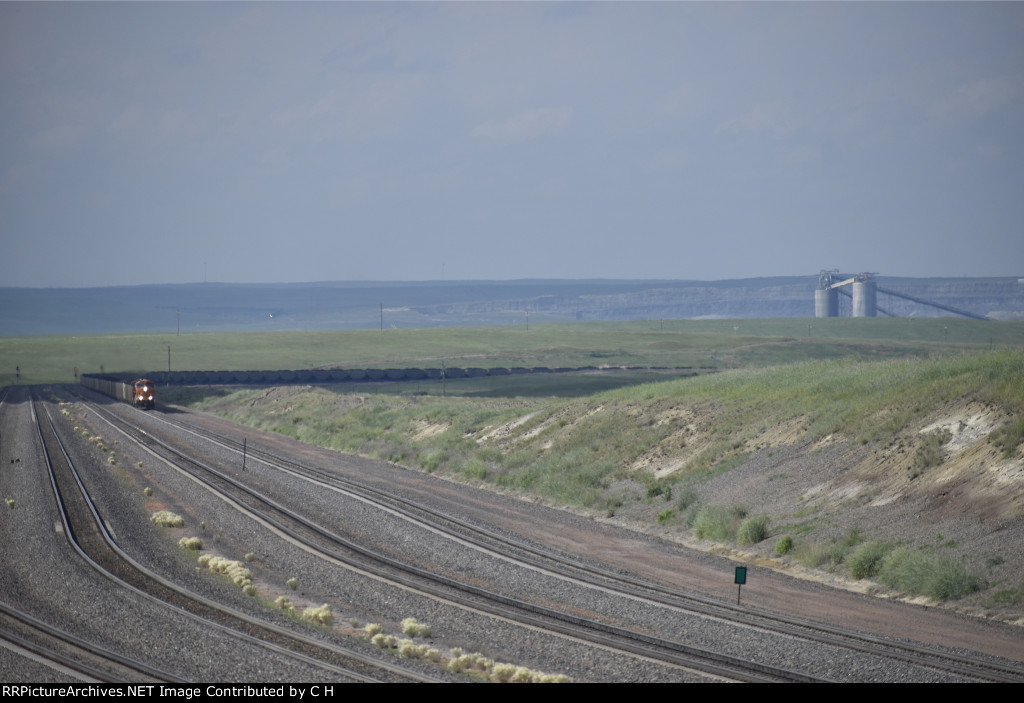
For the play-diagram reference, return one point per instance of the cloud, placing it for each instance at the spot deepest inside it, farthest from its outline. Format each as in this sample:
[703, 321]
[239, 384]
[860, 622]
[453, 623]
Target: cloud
[978, 98]
[57, 138]
[773, 118]
[178, 124]
[526, 125]
[130, 119]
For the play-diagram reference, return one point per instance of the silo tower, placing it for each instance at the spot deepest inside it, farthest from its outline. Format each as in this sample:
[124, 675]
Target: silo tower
[865, 295]
[826, 297]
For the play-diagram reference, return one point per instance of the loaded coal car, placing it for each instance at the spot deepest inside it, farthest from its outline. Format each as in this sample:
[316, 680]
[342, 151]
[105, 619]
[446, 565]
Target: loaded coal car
[139, 392]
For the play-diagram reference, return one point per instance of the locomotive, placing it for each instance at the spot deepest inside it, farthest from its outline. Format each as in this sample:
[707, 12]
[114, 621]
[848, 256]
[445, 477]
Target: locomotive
[141, 393]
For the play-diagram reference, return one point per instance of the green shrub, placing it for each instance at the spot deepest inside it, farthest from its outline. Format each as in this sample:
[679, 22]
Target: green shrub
[659, 489]
[712, 523]
[784, 545]
[866, 560]
[687, 499]
[815, 554]
[666, 515]
[475, 468]
[928, 574]
[433, 459]
[753, 530]
[718, 523]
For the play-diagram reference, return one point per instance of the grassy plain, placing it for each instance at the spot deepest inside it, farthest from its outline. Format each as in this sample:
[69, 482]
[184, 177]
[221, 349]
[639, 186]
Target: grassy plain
[715, 343]
[637, 441]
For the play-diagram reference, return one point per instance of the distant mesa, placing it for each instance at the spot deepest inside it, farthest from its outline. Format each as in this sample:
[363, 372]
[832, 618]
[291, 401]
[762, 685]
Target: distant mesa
[192, 308]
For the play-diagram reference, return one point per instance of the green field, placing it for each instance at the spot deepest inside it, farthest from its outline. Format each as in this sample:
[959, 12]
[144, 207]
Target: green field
[719, 344]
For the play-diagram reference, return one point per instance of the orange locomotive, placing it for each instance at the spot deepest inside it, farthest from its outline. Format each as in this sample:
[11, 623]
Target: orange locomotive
[140, 393]
[144, 393]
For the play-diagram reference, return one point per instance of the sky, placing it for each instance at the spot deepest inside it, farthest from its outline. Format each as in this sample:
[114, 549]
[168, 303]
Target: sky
[326, 141]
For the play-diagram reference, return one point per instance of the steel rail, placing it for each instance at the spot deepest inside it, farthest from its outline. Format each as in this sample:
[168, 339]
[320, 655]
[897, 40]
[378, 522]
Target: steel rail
[484, 600]
[594, 576]
[207, 611]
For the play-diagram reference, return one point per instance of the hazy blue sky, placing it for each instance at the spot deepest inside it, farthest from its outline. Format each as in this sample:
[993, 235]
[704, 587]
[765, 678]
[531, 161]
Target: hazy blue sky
[266, 142]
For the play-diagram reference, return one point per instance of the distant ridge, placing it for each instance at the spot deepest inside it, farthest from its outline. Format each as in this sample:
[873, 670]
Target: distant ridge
[214, 307]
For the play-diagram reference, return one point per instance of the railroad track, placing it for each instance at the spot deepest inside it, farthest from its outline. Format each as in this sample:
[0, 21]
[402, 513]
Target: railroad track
[72, 656]
[375, 564]
[590, 576]
[969, 667]
[89, 536]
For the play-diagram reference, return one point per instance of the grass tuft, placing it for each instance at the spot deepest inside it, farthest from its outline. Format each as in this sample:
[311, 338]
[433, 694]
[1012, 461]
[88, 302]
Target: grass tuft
[1009, 437]
[866, 560]
[718, 523]
[166, 518]
[753, 530]
[413, 628]
[321, 615]
[930, 452]
[191, 543]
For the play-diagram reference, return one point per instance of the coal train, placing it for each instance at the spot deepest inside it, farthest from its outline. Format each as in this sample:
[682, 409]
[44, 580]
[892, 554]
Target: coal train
[141, 392]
